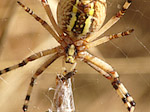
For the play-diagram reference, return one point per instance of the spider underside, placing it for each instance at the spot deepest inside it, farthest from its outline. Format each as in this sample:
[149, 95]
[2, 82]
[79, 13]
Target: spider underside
[79, 26]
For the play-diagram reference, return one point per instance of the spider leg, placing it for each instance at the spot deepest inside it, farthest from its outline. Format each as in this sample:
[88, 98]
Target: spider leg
[43, 23]
[50, 15]
[107, 71]
[37, 73]
[111, 22]
[29, 59]
[108, 38]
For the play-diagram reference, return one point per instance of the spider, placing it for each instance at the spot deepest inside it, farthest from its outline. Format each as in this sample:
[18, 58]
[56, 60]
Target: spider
[78, 27]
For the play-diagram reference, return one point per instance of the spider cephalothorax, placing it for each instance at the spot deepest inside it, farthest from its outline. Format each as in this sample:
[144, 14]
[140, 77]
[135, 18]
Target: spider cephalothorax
[78, 27]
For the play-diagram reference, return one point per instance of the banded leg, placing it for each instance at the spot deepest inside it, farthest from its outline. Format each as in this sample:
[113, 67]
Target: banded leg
[108, 38]
[43, 23]
[38, 72]
[105, 69]
[50, 15]
[111, 22]
[29, 59]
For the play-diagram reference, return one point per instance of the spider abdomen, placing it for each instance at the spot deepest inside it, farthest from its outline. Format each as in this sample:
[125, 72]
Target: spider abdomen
[79, 18]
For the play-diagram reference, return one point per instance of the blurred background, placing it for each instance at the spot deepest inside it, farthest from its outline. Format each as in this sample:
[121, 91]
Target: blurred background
[21, 36]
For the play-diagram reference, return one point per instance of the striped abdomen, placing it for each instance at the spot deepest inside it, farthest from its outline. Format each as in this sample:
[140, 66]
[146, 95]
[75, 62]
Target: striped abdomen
[79, 18]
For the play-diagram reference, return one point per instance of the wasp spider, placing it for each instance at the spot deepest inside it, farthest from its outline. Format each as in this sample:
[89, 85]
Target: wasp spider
[78, 27]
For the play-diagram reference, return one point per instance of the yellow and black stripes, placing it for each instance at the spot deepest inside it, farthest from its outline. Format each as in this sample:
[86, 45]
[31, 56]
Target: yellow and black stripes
[72, 16]
[28, 59]
[83, 20]
[80, 19]
[78, 26]
[37, 73]
[111, 22]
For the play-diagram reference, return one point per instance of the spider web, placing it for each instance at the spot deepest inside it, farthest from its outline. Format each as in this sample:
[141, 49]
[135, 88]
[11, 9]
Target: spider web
[130, 56]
